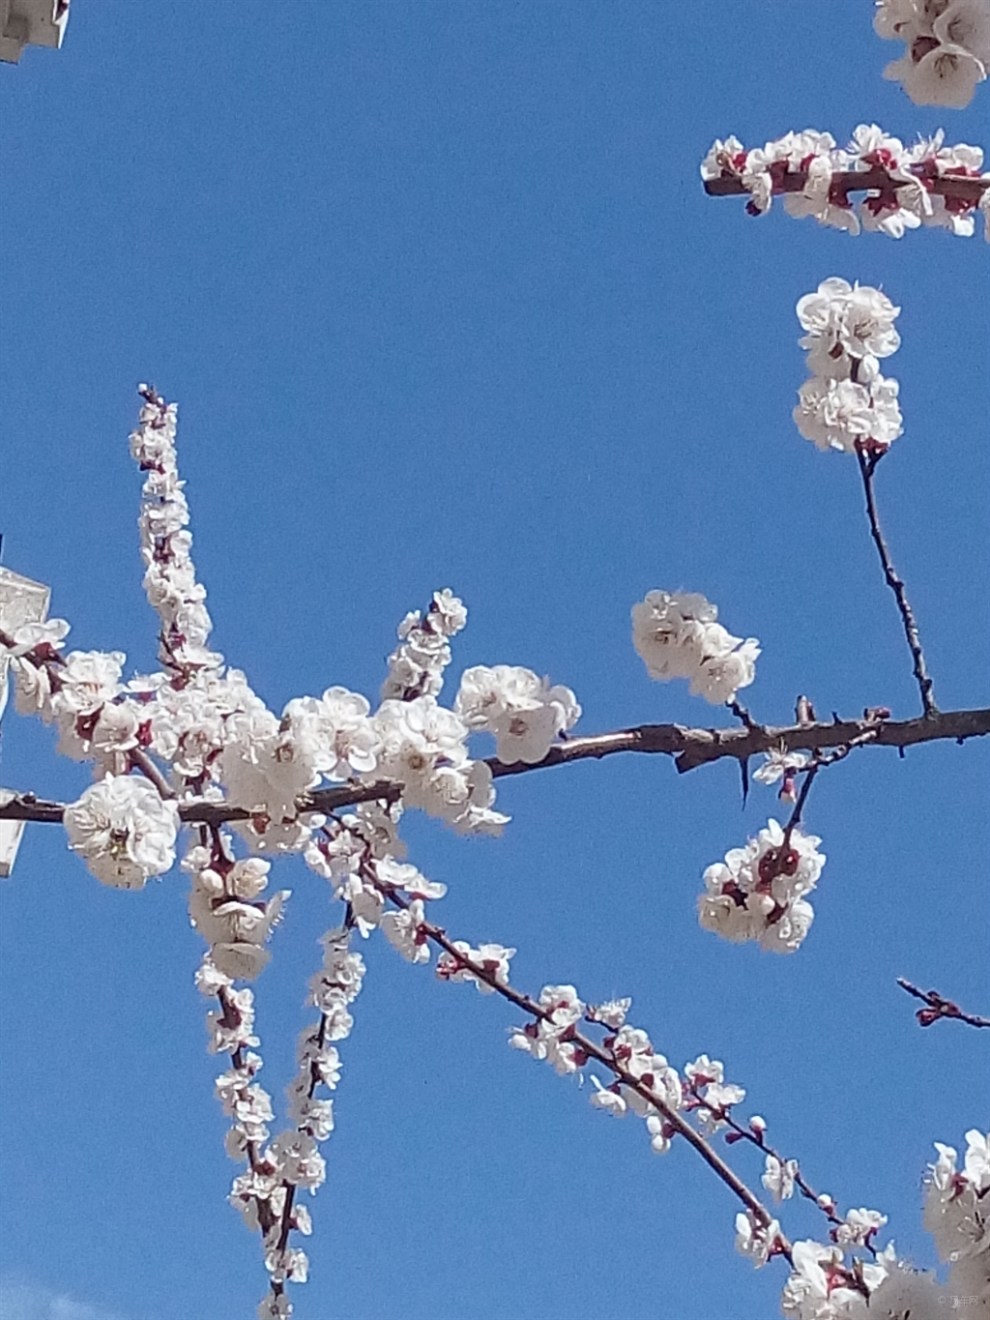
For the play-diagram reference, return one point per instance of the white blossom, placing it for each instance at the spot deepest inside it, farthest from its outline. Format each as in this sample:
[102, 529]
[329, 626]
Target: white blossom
[415, 667]
[754, 1239]
[337, 730]
[609, 1098]
[548, 1038]
[779, 764]
[404, 930]
[818, 1287]
[677, 635]
[847, 404]
[524, 712]
[957, 1204]
[87, 680]
[841, 414]
[757, 893]
[232, 1027]
[778, 1177]
[845, 324]
[947, 47]
[858, 1227]
[612, 1013]
[124, 831]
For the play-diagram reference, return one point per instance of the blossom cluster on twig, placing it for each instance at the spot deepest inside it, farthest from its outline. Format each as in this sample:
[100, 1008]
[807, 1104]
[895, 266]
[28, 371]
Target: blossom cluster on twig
[905, 187]
[847, 404]
[677, 635]
[758, 892]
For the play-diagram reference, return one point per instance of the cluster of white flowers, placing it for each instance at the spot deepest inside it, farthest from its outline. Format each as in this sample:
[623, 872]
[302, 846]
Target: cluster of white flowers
[170, 578]
[947, 47]
[293, 1160]
[830, 1281]
[849, 1278]
[551, 1038]
[266, 764]
[678, 636]
[709, 1094]
[825, 1285]
[219, 740]
[360, 855]
[907, 188]
[226, 908]
[957, 1214]
[265, 1193]
[415, 667]
[847, 404]
[523, 711]
[757, 893]
[80, 693]
[123, 830]
[424, 748]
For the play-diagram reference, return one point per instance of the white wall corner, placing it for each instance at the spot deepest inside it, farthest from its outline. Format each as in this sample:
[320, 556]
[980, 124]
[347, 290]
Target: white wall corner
[31, 23]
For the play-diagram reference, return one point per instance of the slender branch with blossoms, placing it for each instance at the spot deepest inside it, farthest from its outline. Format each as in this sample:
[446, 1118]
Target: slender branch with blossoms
[848, 406]
[928, 184]
[643, 1083]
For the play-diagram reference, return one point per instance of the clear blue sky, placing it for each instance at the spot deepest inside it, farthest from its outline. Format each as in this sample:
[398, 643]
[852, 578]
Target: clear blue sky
[443, 304]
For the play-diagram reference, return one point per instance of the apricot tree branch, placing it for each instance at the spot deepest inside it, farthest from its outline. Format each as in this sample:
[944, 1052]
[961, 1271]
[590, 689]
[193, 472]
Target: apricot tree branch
[601, 1054]
[689, 749]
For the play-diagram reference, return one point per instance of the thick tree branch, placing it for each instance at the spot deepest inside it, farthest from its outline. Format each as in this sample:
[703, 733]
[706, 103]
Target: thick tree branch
[690, 748]
[847, 181]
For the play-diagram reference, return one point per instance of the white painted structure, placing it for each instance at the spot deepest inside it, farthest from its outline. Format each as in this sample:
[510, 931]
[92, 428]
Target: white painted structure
[21, 601]
[31, 23]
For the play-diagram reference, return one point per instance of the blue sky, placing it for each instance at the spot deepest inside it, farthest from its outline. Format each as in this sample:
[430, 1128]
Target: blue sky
[443, 304]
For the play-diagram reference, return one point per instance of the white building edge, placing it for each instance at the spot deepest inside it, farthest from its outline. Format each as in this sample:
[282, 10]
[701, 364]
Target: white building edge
[22, 601]
[31, 23]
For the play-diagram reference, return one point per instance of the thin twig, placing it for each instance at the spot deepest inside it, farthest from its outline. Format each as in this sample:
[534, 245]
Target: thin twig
[937, 1006]
[742, 714]
[867, 466]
